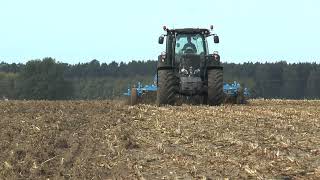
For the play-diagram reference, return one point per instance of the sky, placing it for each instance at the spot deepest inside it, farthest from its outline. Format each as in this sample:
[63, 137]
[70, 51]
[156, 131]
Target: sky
[76, 31]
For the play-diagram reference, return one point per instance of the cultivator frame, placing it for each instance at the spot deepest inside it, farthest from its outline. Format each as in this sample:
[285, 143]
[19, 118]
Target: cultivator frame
[140, 93]
[234, 93]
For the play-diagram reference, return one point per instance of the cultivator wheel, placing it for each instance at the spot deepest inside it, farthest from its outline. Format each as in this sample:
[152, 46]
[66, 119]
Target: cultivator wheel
[241, 99]
[133, 97]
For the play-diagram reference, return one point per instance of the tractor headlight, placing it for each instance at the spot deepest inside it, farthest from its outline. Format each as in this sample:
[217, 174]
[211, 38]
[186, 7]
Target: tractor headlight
[184, 71]
[216, 56]
[163, 56]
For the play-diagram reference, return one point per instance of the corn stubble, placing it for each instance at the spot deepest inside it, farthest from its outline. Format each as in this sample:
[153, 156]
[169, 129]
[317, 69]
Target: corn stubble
[109, 140]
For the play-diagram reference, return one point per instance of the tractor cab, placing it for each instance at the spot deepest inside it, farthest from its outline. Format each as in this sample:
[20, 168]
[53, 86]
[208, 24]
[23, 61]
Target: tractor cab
[187, 49]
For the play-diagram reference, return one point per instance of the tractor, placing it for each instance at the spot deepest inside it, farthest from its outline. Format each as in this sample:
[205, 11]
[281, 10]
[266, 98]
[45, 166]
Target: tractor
[187, 69]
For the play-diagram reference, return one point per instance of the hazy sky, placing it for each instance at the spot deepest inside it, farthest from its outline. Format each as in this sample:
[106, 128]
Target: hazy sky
[81, 30]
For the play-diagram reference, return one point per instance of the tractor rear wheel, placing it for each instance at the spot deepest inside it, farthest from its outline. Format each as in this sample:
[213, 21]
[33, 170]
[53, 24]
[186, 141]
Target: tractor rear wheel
[167, 87]
[215, 87]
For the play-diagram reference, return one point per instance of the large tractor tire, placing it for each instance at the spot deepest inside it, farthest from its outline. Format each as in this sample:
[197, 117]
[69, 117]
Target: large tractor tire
[133, 97]
[215, 87]
[167, 87]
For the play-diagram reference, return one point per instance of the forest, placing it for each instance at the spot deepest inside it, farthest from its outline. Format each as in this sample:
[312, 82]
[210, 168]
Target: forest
[49, 79]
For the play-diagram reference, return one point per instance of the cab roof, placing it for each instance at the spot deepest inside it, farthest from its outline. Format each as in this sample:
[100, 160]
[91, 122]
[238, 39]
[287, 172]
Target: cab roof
[189, 31]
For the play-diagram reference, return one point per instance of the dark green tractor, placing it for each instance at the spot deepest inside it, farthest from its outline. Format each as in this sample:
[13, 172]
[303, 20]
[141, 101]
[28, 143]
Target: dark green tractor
[187, 69]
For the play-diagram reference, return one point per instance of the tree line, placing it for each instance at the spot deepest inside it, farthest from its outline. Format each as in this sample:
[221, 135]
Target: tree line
[53, 80]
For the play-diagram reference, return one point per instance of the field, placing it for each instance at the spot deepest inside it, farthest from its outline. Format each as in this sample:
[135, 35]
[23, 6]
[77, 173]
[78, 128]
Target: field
[107, 140]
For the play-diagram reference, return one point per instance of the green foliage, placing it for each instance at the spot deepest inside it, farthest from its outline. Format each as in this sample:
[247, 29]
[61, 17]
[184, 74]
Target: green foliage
[7, 84]
[48, 79]
[105, 87]
[313, 84]
[43, 80]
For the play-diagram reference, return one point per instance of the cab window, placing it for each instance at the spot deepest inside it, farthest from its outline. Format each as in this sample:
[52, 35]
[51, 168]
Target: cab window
[189, 43]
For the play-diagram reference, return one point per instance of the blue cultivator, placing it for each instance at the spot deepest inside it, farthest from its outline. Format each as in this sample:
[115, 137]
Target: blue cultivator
[140, 90]
[234, 93]
[135, 94]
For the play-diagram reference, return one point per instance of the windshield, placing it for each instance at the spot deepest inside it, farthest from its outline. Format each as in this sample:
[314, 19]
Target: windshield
[189, 44]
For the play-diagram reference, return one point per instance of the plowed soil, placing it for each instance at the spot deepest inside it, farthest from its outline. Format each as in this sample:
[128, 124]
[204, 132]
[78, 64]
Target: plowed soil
[109, 140]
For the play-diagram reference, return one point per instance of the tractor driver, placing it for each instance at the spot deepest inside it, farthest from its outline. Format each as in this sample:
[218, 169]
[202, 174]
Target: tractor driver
[189, 45]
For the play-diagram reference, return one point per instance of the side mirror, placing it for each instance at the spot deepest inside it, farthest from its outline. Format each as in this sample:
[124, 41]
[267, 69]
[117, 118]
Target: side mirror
[161, 39]
[216, 39]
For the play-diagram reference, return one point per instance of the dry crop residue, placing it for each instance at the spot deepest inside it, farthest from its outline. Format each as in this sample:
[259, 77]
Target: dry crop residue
[107, 139]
